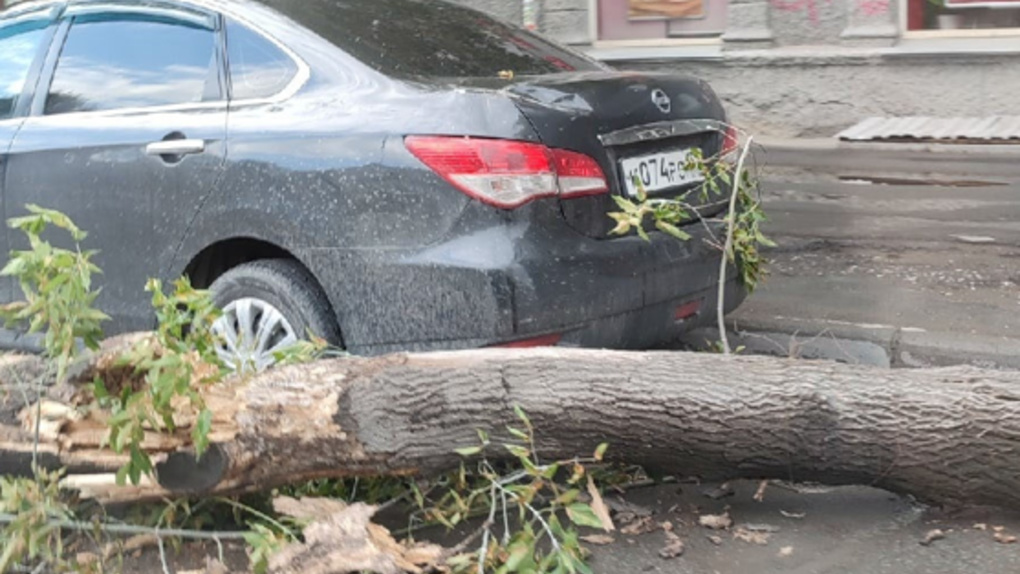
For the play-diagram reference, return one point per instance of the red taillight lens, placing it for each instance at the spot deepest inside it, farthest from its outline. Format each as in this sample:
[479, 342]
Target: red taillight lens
[578, 174]
[731, 141]
[508, 173]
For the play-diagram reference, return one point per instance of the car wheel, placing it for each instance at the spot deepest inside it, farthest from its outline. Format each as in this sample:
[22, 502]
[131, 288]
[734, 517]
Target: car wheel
[267, 306]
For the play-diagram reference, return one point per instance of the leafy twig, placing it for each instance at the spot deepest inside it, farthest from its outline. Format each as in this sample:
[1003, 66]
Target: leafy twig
[731, 223]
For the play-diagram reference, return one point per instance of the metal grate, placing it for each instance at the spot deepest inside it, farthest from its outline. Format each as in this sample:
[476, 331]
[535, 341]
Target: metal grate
[988, 130]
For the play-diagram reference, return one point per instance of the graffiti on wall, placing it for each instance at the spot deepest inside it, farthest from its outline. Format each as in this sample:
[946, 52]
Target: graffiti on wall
[873, 7]
[810, 7]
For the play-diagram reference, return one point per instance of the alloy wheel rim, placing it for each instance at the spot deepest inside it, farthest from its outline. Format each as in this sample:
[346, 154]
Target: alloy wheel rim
[249, 334]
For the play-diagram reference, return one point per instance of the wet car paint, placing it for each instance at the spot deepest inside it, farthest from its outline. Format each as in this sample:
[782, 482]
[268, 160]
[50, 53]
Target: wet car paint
[406, 260]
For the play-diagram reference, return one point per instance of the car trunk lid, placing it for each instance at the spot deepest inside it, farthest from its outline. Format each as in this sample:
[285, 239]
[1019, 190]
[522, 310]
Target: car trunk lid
[634, 125]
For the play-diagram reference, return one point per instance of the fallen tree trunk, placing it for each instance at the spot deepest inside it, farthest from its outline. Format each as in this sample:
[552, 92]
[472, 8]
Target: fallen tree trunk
[947, 435]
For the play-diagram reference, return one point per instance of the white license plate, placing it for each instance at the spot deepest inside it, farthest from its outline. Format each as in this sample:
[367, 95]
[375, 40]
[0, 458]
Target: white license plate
[658, 171]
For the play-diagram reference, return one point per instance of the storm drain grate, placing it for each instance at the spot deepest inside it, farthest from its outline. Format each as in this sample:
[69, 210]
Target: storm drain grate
[988, 130]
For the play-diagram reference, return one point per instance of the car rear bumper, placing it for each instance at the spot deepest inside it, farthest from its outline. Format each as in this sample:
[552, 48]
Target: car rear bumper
[645, 328]
[524, 277]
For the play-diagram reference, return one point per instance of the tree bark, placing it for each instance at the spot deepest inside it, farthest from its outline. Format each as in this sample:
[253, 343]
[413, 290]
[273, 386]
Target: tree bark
[943, 435]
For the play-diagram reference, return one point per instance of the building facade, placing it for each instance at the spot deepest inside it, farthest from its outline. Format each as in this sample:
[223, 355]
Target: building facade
[805, 68]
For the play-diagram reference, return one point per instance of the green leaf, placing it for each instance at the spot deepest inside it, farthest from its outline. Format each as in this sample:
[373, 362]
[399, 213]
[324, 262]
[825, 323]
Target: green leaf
[567, 497]
[622, 228]
[200, 434]
[642, 195]
[517, 433]
[550, 471]
[600, 451]
[582, 515]
[628, 206]
[518, 451]
[99, 389]
[672, 230]
[122, 472]
[518, 553]
[520, 414]
[468, 451]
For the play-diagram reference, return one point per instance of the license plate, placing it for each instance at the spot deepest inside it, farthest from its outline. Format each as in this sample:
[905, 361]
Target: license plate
[658, 171]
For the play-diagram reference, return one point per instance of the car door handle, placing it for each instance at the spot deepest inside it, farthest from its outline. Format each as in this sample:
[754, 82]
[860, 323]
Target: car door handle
[175, 147]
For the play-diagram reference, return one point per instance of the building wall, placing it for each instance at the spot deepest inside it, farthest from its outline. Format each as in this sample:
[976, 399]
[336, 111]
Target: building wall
[810, 68]
[817, 96]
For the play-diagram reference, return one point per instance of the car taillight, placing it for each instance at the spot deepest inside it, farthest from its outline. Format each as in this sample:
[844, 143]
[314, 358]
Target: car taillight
[731, 141]
[578, 174]
[508, 173]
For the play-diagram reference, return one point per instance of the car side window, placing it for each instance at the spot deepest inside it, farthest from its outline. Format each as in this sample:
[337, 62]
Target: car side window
[19, 44]
[128, 61]
[258, 67]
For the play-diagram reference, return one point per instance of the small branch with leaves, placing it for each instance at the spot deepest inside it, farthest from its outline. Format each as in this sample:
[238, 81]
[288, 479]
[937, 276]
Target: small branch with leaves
[720, 183]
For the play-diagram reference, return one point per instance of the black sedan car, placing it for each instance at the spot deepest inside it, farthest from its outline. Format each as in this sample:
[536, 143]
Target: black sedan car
[387, 174]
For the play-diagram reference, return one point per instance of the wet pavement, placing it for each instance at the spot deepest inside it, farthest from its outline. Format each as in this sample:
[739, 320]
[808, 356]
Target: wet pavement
[813, 530]
[927, 268]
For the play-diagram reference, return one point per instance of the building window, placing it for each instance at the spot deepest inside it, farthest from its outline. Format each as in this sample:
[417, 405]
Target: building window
[963, 14]
[660, 19]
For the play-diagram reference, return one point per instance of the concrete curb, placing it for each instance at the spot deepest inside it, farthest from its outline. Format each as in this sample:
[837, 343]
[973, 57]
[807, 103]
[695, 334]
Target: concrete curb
[831, 155]
[879, 345]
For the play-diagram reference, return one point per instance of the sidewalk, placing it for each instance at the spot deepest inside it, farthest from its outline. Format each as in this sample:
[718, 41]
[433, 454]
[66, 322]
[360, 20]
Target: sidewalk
[830, 155]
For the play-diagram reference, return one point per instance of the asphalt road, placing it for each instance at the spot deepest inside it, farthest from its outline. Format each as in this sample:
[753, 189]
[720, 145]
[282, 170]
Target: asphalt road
[812, 530]
[892, 260]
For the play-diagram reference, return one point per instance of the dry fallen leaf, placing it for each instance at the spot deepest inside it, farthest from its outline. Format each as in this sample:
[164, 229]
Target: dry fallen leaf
[797, 515]
[1004, 538]
[980, 526]
[640, 526]
[759, 538]
[308, 508]
[785, 551]
[212, 566]
[715, 540]
[932, 536]
[599, 507]
[598, 539]
[674, 546]
[348, 541]
[85, 558]
[133, 544]
[716, 521]
[759, 495]
[998, 528]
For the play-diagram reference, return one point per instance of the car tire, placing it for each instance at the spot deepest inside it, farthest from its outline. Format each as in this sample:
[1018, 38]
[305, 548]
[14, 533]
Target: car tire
[280, 285]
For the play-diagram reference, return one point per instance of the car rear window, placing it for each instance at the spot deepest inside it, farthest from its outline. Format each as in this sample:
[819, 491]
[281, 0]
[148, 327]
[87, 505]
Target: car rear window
[430, 38]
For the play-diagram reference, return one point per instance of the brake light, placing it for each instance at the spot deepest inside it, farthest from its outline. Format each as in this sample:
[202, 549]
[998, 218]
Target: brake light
[578, 174]
[508, 173]
[731, 141]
